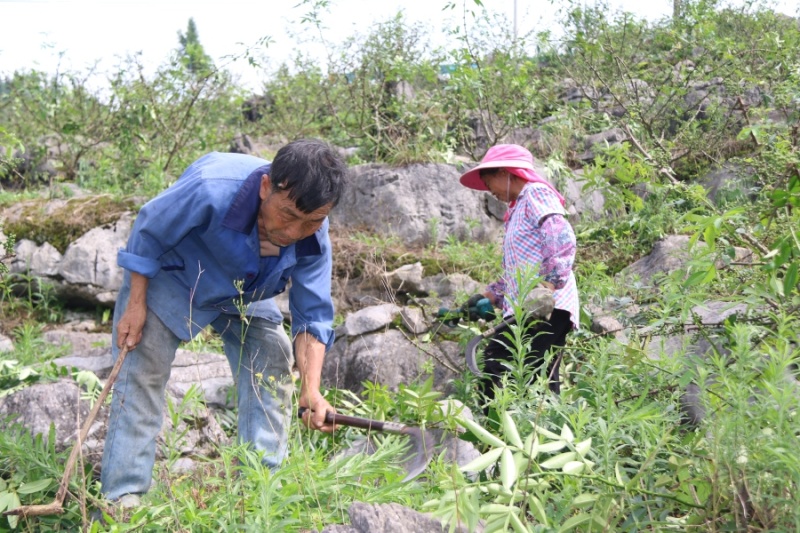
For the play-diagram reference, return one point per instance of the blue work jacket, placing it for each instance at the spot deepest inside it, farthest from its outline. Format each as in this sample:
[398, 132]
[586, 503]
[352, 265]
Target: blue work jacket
[197, 242]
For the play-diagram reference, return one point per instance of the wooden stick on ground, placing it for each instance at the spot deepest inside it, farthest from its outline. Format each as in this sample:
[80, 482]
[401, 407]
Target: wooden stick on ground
[57, 505]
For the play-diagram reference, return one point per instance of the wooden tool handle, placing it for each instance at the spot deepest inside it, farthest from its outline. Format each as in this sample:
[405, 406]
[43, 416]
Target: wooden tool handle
[357, 422]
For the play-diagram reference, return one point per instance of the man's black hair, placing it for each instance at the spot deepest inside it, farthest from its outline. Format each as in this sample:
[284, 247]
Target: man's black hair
[311, 172]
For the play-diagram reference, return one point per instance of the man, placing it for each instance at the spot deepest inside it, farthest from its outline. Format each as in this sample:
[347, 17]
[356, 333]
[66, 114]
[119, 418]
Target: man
[214, 249]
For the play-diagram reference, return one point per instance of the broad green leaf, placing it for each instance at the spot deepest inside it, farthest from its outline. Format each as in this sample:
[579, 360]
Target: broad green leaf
[5, 500]
[790, 280]
[574, 522]
[483, 462]
[583, 447]
[710, 235]
[618, 474]
[573, 467]
[534, 482]
[703, 490]
[694, 279]
[551, 447]
[510, 430]
[711, 274]
[498, 524]
[34, 486]
[780, 198]
[517, 524]
[13, 520]
[685, 379]
[566, 434]
[532, 445]
[537, 510]
[546, 433]
[559, 460]
[496, 489]
[481, 433]
[521, 461]
[508, 469]
[663, 480]
[494, 508]
[583, 500]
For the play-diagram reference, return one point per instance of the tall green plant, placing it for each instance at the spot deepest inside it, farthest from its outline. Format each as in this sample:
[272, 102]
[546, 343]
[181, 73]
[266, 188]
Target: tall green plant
[170, 119]
[192, 54]
[679, 89]
[58, 117]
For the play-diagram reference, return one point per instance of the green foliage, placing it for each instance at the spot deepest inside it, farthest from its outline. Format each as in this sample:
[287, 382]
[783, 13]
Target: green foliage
[25, 299]
[711, 86]
[124, 138]
[38, 478]
[168, 121]
[192, 54]
[658, 76]
[9, 146]
[6, 252]
[29, 362]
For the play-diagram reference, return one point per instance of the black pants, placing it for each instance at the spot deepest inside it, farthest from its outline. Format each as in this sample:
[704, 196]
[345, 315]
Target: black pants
[546, 336]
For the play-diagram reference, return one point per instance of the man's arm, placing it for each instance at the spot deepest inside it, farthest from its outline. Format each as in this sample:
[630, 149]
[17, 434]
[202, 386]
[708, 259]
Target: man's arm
[130, 326]
[310, 353]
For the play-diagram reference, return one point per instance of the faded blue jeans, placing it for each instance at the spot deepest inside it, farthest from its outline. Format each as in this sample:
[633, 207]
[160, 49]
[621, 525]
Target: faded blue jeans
[261, 367]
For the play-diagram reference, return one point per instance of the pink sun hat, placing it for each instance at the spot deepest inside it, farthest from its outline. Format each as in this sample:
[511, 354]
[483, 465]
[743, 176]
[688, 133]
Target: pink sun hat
[511, 157]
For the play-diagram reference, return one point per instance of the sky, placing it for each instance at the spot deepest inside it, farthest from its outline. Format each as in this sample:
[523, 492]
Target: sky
[76, 34]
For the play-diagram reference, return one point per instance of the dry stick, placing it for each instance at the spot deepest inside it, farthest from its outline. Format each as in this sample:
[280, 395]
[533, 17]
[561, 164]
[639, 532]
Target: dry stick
[753, 242]
[57, 505]
[665, 171]
[741, 105]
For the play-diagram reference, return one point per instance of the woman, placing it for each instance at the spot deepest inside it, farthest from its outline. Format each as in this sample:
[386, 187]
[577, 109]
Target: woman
[538, 237]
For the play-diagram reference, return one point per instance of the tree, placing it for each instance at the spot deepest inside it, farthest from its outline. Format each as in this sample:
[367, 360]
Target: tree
[192, 54]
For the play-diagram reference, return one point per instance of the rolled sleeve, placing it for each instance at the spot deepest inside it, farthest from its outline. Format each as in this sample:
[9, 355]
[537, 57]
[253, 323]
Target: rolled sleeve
[135, 263]
[321, 331]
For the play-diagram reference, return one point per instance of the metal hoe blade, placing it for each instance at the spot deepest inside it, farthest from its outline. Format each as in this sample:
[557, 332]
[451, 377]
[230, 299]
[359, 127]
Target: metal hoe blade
[422, 443]
[420, 453]
[472, 345]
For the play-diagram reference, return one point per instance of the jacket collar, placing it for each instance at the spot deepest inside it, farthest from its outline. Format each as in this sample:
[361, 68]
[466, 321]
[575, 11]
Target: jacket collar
[243, 213]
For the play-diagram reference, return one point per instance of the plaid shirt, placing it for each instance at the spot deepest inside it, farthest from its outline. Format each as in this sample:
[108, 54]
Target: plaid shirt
[536, 233]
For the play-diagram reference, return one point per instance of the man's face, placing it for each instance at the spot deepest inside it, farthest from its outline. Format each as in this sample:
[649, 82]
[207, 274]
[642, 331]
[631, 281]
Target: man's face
[280, 221]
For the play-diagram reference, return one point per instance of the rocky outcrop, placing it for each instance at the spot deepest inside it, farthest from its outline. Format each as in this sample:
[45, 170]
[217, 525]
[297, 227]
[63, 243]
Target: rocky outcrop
[670, 254]
[87, 272]
[418, 204]
[390, 518]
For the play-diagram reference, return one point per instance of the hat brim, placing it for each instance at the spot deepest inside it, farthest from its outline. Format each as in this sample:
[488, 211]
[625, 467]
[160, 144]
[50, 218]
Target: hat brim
[472, 178]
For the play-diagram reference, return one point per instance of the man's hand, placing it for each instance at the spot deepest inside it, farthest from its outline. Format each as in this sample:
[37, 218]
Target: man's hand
[317, 406]
[310, 353]
[540, 303]
[130, 326]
